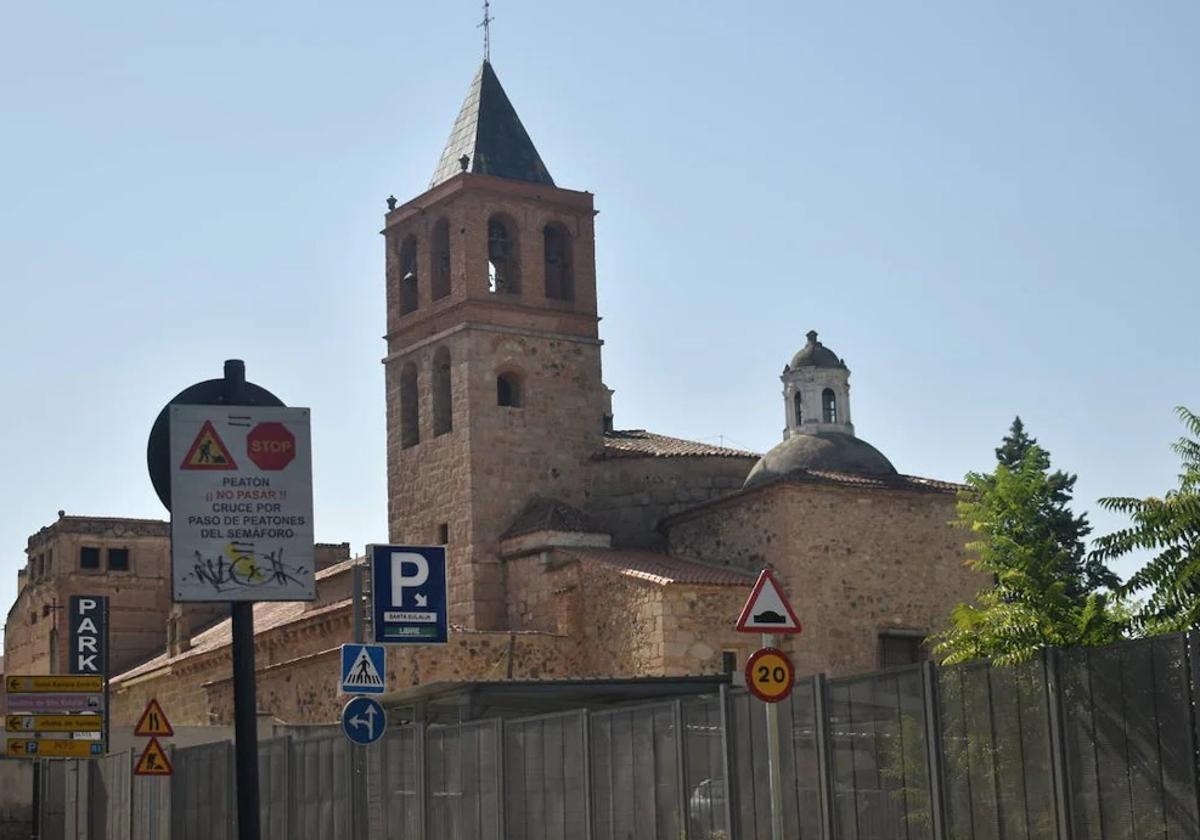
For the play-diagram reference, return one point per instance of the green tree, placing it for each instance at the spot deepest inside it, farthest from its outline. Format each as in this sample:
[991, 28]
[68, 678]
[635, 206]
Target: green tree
[1170, 529]
[1031, 544]
[1085, 572]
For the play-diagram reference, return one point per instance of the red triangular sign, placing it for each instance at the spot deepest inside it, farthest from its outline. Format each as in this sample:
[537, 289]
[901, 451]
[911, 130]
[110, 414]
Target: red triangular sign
[767, 609]
[153, 761]
[153, 722]
[208, 452]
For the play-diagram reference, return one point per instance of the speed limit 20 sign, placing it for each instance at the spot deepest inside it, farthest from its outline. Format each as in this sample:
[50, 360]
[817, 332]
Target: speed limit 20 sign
[770, 674]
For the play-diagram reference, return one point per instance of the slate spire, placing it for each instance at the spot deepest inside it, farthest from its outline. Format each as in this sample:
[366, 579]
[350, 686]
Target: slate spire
[488, 138]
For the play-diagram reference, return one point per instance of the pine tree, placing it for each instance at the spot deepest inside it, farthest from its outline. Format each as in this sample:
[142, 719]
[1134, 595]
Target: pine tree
[1169, 526]
[1071, 530]
[1031, 544]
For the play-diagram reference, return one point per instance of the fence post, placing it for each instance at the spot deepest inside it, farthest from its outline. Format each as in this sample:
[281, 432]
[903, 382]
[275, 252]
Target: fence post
[1058, 742]
[586, 720]
[824, 755]
[933, 741]
[729, 760]
[501, 784]
[1193, 683]
[422, 782]
[680, 774]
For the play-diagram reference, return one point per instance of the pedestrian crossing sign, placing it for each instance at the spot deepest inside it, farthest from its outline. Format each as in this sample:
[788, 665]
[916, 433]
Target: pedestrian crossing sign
[208, 452]
[363, 669]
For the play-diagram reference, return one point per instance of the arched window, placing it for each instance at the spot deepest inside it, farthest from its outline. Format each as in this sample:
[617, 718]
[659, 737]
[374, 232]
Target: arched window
[796, 401]
[560, 284]
[829, 406]
[408, 276]
[443, 420]
[440, 252]
[410, 411]
[503, 277]
[508, 390]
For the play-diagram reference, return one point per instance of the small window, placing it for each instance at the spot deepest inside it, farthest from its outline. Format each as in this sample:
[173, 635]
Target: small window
[440, 252]
[796, 401]
[444, 533]
[443, 419]
[559, 280]
[410, 411]
[900, 648]
[508, 390]
[89, 558]
[408, 276]
[829, 405]
[118, 559]
[45, 610]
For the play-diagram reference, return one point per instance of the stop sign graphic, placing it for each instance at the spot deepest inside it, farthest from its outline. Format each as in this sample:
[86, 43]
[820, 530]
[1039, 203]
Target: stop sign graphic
[271, 446]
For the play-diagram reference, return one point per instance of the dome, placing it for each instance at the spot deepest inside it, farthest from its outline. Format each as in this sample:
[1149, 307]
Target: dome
[832, 451]
[815, 354]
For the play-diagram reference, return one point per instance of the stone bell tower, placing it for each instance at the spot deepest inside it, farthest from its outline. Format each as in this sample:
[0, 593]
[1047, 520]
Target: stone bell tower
[493, 357]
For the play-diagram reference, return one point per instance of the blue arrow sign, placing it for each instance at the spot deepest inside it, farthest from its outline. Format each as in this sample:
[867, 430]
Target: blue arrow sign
[408, 587]
[362, 669]
[363, 720]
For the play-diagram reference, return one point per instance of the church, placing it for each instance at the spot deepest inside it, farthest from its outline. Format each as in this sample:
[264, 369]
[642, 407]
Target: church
[576, 549]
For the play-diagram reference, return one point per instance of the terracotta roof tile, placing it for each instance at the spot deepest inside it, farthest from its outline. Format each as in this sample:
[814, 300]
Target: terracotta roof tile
[662, 568]
[881, 482]
[268, 615]
[638, 443]
[542, 514]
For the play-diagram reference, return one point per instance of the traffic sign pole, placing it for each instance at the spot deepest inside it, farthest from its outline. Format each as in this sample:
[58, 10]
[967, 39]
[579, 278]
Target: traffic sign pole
[245, 712]
[774, 768]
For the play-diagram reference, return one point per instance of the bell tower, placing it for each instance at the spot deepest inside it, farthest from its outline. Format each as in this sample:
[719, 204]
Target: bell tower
[492, 370]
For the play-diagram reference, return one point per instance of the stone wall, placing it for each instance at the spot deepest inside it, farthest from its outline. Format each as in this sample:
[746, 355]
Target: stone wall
[854, 562]
[629, 495]
[298, 667]
[139, 598]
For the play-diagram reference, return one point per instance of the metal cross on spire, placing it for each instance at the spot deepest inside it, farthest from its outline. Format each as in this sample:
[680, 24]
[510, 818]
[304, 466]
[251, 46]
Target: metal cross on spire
[485, 24]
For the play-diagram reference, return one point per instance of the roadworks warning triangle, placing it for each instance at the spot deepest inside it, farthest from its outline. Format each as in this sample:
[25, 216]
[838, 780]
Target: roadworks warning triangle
[153, 722]
[208, 452]
[767, 609]
[363, 673]
[153, 761]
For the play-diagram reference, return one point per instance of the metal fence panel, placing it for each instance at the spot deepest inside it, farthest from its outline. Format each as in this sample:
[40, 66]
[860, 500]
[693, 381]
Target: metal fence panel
[462, 781]
[274, 772]
[320, 774]
[399, 770]
[53, 786]
[879, 755]
[202, 794]
[1130, 745]
[636, 775]
[545, 795]
[704, 769]
[151, 808]
[802, 783]
[996, 762]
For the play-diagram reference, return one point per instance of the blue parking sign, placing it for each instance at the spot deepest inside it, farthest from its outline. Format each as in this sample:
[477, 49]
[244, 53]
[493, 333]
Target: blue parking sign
[408, 588]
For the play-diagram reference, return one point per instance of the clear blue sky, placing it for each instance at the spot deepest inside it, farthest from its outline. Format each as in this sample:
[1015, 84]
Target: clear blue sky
[986, 208]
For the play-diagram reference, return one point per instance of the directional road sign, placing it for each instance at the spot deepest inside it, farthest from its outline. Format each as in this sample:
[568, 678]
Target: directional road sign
[54, 723]
[363, 720]
[66, 702]
[767, 609]
[362, 669]
[45, 748]
[53, 683]
[408, 587]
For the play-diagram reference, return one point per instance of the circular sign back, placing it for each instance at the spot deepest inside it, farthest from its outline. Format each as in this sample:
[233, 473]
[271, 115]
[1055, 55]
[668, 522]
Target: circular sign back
[770, 675]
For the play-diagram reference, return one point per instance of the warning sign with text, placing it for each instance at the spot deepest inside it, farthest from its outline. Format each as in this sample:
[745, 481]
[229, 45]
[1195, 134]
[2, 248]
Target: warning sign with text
[241, 503]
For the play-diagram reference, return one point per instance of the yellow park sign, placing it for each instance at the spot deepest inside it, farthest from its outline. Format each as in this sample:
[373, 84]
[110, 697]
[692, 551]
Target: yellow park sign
[60, 748]
[84, 683]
